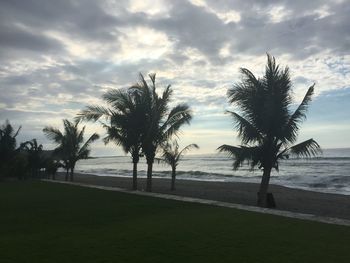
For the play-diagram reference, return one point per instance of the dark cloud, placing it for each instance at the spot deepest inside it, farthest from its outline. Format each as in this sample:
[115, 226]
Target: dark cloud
[85, 19]
[17, 38]
[193, 26]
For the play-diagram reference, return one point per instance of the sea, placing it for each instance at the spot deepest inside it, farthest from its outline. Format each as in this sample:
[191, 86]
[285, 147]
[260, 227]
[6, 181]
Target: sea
[328, 173]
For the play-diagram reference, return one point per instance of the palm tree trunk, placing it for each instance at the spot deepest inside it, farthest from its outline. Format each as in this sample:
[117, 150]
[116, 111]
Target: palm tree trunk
[66, 178]
[173, 176]
[72, 174]
[149, 176]
[134, 176]
[264, 185]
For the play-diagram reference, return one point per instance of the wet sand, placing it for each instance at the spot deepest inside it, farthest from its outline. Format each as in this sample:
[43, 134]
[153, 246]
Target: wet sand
[294, 200]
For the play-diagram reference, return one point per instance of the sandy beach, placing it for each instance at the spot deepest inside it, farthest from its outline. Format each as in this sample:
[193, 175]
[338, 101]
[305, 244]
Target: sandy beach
[294, 200]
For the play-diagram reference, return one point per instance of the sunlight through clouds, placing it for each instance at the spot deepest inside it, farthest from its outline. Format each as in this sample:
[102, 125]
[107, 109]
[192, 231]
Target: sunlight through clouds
[158, 8]
[141, 43]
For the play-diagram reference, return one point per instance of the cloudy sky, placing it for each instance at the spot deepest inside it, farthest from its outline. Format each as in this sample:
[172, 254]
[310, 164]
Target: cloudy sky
[59, 56]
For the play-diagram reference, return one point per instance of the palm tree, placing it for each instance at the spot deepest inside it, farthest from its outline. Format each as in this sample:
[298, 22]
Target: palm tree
[70, 144]
[266, 124]
[51, 167]
[161, 123]
[34, 151]
[172, 156]
[8, 150]
[7, 142]
[125, 117]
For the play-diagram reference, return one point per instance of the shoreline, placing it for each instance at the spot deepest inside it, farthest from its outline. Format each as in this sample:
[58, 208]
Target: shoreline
[287, 199]
[316, 190]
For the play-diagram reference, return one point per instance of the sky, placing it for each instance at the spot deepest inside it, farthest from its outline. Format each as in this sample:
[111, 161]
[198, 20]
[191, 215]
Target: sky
[59, 56]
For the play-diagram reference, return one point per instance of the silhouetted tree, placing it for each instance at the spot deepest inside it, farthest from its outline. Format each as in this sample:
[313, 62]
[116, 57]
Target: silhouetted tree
[7, 141]
[34, 151]
[71, 146]
[266, 125]
[8, 145]
[51, 167]
[125, 117]
[161, 122]
[172, 156]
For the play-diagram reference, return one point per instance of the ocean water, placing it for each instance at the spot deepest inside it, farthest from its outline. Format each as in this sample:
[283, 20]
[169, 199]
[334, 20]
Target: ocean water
[328, 173]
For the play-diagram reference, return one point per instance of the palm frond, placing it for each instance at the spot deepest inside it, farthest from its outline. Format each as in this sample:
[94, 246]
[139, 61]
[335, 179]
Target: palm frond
[83, 154]
[307, 148]
[246, 130]
[80, 136]
[249, 154]
[163, 102]
[291, 129]
[86, 145]
[17, 132]
[169, 158]
[120, 99]
[94, 113]
[173, 127]
[53, 134]
[114, 135]
[152, 76]
[187, 148]
[178, 116]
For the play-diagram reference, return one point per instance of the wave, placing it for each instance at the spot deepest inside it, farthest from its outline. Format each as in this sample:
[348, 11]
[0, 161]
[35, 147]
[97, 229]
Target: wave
[324, 173]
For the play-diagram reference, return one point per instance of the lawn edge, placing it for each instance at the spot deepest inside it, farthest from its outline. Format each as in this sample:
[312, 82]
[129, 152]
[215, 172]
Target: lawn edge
[302, 216]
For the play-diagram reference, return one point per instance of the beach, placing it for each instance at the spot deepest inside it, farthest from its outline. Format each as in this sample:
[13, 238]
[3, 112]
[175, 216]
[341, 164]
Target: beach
[288, 199]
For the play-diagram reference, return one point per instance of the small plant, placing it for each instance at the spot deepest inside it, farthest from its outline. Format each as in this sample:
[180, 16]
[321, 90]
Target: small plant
[172, 156]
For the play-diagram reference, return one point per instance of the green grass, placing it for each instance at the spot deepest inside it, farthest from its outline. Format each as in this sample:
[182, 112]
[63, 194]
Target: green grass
[45, 222]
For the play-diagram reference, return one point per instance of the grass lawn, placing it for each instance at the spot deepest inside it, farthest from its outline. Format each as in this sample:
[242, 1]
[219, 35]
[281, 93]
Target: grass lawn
[45, 222]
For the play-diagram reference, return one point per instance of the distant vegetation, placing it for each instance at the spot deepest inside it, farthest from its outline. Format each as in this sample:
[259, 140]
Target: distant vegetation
[11, 162]
[25, 161]
[35, 158]
[70, 145]
[266, 125]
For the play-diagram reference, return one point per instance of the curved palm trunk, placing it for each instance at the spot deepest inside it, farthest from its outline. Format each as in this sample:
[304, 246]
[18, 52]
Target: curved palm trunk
[264, 185]
[134, 176]
[173, 177]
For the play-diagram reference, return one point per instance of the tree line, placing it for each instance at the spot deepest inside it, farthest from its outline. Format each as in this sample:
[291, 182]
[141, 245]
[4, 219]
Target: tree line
[140, 120]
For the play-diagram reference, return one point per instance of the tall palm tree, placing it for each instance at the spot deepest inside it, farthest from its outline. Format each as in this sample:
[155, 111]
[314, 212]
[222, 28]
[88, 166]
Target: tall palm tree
[125, 117]
[34, 151]
[71, 146]
[266, 124]
[161, 121]
[172, 156]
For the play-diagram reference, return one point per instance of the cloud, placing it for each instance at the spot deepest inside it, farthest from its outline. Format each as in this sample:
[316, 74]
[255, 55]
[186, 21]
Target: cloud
[58, 56]
[194, 27]
[18, 38]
